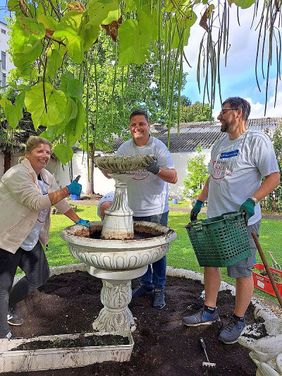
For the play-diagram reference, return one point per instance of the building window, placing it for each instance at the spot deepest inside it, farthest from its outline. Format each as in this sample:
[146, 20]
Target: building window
[3, 31]
[3, 79]
[3, 60]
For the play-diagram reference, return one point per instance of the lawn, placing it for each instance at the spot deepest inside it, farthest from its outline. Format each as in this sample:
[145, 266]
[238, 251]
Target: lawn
[181, 254]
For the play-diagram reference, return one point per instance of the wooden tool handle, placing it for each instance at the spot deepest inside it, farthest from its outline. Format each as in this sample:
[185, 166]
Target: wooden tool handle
[265, 263]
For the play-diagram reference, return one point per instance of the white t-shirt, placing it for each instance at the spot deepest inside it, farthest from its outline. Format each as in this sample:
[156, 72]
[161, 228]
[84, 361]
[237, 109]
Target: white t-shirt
[147, 193]
[236, 169]
[31, 240]
[107, 197]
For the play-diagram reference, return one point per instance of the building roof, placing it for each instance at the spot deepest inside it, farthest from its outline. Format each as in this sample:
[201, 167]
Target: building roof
[203, 134]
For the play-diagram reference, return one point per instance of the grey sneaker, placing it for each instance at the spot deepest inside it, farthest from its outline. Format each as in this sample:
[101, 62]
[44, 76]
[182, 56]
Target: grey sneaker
[232, 331]
[7, 336]
[201, 317]
[142, 291]
[14, 319]
[159, 299]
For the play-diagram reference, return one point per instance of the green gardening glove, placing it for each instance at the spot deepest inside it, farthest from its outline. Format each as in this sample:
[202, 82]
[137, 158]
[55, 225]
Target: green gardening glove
[196, 210]
[248, 208]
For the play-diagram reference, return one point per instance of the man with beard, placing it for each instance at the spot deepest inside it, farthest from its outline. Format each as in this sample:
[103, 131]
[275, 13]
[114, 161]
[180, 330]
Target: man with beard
[239, 162]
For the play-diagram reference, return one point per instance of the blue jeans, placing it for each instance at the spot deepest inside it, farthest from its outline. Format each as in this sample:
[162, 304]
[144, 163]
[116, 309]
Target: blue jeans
[155, 276]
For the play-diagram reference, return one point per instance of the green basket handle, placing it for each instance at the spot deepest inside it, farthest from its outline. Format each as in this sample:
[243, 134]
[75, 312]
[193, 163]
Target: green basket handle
[197, 225]
[232, 216]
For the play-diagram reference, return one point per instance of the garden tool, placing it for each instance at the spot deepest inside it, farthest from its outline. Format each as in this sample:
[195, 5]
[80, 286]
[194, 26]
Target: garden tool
[274, 262]
[206, 365]
[77, 178]
[265, 263]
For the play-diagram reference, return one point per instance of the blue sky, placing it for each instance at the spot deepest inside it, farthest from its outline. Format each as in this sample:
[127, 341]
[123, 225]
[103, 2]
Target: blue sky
[3, 10]
[238, 78]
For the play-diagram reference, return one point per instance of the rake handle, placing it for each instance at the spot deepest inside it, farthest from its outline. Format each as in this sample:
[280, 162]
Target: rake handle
[204, 347]
[265, 263]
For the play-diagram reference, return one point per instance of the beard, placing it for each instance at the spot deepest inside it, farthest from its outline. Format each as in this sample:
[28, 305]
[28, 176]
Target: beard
[224, 127]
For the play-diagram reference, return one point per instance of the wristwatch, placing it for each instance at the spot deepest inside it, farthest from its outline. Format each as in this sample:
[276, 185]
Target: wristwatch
[255, 200]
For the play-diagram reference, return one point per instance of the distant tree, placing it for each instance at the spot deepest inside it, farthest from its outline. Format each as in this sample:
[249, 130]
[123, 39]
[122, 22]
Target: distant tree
[195, 112]
[197, 174]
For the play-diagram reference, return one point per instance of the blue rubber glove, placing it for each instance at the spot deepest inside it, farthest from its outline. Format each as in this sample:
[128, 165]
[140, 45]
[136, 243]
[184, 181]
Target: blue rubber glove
[196, 210]
[74, 187]
[153, 167]
[83, 222]
[248, 208]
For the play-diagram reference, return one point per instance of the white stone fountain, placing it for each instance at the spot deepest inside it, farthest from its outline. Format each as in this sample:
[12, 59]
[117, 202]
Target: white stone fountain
[118, 250]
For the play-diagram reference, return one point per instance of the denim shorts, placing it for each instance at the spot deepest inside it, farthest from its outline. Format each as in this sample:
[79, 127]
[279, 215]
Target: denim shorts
[244, 267]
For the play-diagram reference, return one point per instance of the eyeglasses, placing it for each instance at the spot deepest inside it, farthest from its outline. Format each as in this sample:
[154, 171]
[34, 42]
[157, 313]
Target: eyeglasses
[223, 110]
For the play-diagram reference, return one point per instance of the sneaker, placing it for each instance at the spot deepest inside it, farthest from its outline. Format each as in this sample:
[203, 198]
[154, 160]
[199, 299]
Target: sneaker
[14, 319]
[201, 317]
[7, 336]
[142, 291]
[159, 299]
[232, 331]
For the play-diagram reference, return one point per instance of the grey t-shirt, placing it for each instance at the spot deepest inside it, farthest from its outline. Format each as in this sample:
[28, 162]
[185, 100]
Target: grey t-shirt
[236, 169]
[147, 193]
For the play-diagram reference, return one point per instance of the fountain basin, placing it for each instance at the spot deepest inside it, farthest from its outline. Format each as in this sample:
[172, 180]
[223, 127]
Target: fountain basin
[117, 259]
[13, 360]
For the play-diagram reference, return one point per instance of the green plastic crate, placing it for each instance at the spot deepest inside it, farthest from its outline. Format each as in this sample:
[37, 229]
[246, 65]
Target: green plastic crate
[220, 241]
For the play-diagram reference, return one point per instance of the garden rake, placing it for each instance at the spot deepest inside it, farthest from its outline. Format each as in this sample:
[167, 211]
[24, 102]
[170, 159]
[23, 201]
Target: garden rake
[207, 366]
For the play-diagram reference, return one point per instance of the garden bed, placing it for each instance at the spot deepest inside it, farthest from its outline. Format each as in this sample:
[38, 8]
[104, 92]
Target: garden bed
[69, 303]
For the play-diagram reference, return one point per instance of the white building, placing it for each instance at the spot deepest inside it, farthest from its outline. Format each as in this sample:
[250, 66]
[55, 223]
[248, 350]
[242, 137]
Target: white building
[5, 60]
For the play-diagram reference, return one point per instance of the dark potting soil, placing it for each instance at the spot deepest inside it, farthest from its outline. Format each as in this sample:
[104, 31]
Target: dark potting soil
[80, 341]
[69, 303]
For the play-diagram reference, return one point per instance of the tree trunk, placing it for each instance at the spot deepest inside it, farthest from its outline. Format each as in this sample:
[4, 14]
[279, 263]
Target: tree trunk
[90, 156]
[7, 160]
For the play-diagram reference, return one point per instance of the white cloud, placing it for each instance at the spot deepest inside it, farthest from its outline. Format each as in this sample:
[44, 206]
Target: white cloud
[238, 78]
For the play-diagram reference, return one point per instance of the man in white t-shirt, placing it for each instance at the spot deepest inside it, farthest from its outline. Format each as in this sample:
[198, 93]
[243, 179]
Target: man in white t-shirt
[104, 203]
[239, 162]
[148, 196]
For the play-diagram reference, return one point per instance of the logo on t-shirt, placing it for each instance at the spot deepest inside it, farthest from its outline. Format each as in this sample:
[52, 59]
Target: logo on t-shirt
[223, 165]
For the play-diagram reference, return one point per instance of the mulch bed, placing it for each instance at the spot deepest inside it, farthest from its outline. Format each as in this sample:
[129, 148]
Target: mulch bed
[69, 303]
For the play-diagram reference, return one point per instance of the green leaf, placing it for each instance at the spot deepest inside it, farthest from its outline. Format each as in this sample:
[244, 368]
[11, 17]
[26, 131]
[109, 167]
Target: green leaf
[14, 6]
[74, 129]
[56, 105]
[68, 31]
[132, 47]
[244, 4]
[71, 86]
[99, 10]
[48, 21]
[63, 152]
[13, 113]
[53, 63]
[31, 27]
[112, 16]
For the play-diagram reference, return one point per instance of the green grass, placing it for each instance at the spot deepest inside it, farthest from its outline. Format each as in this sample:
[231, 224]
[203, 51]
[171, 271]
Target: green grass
[180, 255]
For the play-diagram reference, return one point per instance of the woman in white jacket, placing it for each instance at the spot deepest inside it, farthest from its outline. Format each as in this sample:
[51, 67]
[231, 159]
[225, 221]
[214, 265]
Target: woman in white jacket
[27, 192]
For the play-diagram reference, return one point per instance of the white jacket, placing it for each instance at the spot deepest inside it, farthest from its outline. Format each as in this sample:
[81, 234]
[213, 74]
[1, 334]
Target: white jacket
[21, 201]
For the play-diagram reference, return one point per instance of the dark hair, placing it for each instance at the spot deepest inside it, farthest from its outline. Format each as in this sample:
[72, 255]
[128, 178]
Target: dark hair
[139, 112]
[237, 102]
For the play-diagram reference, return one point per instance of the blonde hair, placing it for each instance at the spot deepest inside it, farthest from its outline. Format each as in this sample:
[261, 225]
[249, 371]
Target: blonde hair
[34, 141]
